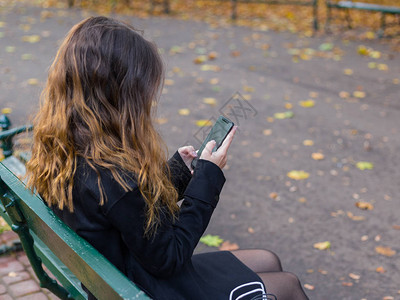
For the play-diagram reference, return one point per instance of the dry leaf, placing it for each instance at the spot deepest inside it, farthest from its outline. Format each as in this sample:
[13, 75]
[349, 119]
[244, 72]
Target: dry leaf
[235, 53]
[210, 101]
[212, 55]
[204, 123]
[161, 121]
[307, 103]
[364, 205]
[200, 59]
[267, 132]
[250, 230]
[344, 95]
[359, 94]
[355, 218]
[348, 72]
[228, 246]
[380, 270]
[386, 251]
[354, 276]
[308, 143]
[298, 175]
[317, 156]
[309, 287]
[347, 283]
[33, 81]
[184, 111]
[257, 154]
[169, 82]
[31, 38]
[273, 195]
[322, 245]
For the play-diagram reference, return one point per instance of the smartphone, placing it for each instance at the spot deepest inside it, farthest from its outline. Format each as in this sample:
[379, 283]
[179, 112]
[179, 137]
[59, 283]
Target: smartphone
[218, 133]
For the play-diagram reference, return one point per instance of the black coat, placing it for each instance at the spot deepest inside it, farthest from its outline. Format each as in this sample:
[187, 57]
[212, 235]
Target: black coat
[162, 266]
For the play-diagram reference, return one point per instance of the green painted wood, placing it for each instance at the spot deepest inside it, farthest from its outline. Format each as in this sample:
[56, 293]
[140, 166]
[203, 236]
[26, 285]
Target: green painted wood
[88, 265]
[365, 6]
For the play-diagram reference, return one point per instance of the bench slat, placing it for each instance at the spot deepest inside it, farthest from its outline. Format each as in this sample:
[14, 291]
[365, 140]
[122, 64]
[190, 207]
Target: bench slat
[90, 267]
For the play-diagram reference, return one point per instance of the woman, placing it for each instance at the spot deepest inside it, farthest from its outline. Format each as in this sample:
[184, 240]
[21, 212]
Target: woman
[99, 163]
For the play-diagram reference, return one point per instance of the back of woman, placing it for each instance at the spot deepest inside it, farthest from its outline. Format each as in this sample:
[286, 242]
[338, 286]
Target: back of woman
[99, 163]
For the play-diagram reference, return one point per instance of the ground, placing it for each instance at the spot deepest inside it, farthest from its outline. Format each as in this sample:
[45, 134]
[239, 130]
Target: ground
[320, 105]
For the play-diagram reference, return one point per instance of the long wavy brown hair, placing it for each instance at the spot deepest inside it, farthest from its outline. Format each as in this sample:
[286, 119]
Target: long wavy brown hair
[97, 104]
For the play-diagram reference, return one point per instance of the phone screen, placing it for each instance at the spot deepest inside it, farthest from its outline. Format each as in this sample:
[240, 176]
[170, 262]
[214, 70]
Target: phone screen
[217, 133]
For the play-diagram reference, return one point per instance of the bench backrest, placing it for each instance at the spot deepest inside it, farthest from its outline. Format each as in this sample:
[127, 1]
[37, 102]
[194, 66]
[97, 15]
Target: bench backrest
[55, 242]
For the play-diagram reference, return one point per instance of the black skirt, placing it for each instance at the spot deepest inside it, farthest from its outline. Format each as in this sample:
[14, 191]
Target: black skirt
[223, 276]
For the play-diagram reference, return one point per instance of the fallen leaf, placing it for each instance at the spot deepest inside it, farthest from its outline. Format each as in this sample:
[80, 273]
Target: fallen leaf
[288, 105]
[210, 101]
[184, 112]
[307, 103]
[380, 270]
[169, 82]
[12, 274]
[348, 72]
[211, 240]
[33, 81]
[228, 246]
[161, 121]
[388, 298]
[284, 115]
[31, 38]
[26, 56]
[273, 195]
[10, 49]
[212, 55]
[204, 123]
[372, 65]
[354, 276]
[317, 156]
[235, 53]
[355, 218]
[267, 132]
[364, 205]
[347, 283]
[248, 89]
[200, 59]
[250, 230]
[344, 95]
[359, 94]
[386, 251]
[298, 175]
[322, 245]
[214, 81]
[309, 287]
[308, 143]
[362, 50]
[326, 47]
[210, 68]
[383, 67]
[364, 165]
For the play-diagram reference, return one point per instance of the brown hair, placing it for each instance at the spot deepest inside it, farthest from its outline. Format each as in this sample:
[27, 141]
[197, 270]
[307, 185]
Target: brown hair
[97, 104]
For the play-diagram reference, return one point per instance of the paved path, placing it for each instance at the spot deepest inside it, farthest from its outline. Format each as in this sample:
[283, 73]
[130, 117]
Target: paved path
[355, 118]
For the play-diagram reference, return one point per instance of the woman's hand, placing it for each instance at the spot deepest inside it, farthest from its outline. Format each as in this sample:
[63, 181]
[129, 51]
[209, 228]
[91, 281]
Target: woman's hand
[218, 157]
[187, 153]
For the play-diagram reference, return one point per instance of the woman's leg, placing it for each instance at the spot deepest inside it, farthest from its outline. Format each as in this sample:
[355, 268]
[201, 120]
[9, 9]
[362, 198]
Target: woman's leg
[267, 265]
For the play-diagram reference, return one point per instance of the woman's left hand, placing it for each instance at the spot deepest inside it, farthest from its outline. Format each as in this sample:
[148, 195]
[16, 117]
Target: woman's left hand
[188, 154]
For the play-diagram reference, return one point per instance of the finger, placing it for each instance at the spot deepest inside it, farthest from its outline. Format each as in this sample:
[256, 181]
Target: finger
[227, 142]
[210, 146]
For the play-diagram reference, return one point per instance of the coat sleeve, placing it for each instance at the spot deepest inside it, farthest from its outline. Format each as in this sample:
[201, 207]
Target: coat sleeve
[180, 174]
[167, 252]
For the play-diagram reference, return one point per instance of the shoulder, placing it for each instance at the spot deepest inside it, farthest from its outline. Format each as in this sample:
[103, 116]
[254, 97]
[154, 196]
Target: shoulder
[86, 180]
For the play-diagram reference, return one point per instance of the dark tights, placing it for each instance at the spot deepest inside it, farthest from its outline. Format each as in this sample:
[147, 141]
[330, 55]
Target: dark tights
[283, 285]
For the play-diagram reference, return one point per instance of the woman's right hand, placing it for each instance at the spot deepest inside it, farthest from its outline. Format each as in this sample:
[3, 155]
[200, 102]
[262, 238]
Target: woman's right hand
[218, 157]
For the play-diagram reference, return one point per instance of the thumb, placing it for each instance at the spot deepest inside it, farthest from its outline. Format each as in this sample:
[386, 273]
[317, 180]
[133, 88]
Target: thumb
[210, 146]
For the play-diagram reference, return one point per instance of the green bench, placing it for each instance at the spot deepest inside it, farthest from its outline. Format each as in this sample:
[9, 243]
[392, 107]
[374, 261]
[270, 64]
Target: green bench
[47, 240]
[373, 7]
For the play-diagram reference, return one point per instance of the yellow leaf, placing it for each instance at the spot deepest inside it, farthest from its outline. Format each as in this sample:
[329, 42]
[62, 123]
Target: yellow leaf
[200, 59]
[307, 103]
[362, 50]
[288, 105]
[214, 81]
[6, 110]
[184, 112]
[317, 156]
[31, 38]
[372, 65]
[298, 175]
[375, 54]
[210, 68]
[33, 81]
[348, 72]
[383, 67]
[203, 123]
[364, 205]
[161, 121]
[359, 94]
[169, 82]
[370, 35]
[210, 101]
[354, 276]
[2, 24]
[355, 218]
[322, 245]
[380, 270]
[386, 251]
[308, 143]
[248, 89]
[10, 49]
